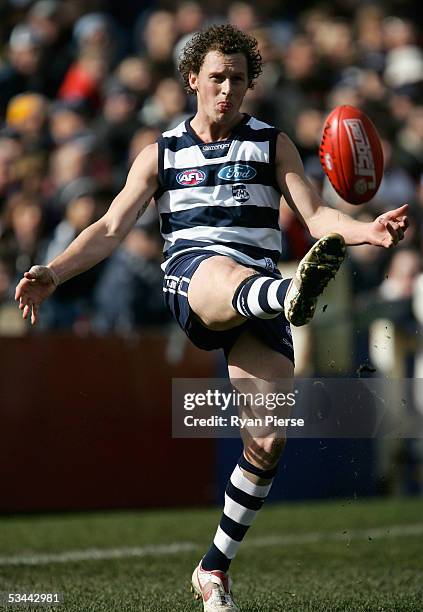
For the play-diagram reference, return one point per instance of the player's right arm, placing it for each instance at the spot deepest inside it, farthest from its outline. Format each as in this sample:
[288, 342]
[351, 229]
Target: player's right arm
[98, 240]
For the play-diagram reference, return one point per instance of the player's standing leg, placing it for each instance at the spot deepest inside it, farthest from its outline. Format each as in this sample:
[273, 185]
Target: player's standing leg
[253, 367]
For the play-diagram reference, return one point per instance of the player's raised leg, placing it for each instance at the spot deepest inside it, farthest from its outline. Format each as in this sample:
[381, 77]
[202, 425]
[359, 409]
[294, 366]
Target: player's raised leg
[253, 368]
[223, 293]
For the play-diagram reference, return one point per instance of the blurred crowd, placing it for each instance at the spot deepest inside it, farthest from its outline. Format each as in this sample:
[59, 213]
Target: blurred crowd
[84, 86]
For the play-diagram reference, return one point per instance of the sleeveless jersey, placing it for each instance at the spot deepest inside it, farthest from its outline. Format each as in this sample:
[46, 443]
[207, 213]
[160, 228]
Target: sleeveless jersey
[220, 196]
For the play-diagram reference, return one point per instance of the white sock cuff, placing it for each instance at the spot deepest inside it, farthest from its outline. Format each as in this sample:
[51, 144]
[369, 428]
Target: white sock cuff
[240, 481]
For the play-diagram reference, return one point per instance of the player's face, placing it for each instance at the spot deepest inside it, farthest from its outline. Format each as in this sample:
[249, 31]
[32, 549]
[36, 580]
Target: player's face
[221, 85]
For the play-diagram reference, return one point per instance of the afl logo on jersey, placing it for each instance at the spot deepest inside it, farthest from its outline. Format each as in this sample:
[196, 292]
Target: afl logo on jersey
[191, 177]
[237, 172]
[240, 192]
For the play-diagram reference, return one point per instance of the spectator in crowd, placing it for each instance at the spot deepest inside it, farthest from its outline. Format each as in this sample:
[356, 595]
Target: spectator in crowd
[399, 282]
[10, 152]
[135, 74]
[243, 15]
[335, 45]
[68, 121]
[396, 181]
[46, 21]
[166, 107]
[392, 298]
[156, 41]
[68, 163]
[84, 78]
[24, 238]
[189, 17]
[141, 138]
[369, 33]
[27, 115]
[302, 85]
[77, 198]
[74, 300]
[134, 278]
[118, 121]
[22, 72]
[410, 143]
[9, 323]
[93, 34]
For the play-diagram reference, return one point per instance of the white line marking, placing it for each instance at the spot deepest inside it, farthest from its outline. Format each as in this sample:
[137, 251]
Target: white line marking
[97, 554]
[100, 554]
[377, 533]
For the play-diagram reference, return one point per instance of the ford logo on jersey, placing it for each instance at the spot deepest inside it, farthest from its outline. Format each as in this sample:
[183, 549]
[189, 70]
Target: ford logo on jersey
[237, 172]
[191, 177]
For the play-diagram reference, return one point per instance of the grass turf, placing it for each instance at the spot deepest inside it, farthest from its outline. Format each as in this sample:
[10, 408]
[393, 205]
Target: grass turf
[356, 574]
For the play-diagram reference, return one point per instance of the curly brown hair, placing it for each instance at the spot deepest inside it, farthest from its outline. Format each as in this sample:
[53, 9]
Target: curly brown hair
[224, 38]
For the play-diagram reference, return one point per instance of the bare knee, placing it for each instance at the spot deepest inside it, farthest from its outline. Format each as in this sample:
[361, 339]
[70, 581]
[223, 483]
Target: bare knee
[264, 453]
[211, 291]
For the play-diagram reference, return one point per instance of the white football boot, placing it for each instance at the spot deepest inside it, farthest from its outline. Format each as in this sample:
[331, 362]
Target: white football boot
[214, 589]
[314, 271]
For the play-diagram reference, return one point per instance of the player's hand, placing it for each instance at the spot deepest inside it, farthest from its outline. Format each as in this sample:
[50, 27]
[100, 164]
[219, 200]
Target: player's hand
[36, 286]
[388, 229]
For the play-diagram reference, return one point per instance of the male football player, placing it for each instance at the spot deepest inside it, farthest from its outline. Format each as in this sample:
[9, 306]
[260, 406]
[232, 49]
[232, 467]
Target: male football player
[218, 179]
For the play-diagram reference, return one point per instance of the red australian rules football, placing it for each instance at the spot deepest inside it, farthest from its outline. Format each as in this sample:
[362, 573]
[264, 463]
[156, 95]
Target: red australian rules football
[351, 154]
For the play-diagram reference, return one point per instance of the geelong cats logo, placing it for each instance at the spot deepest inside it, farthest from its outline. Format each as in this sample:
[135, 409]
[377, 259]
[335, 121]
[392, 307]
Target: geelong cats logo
[240, 192]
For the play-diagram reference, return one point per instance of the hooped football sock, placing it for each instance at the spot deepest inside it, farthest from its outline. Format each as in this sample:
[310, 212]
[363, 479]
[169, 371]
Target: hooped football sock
[260, 296]
[243, 499]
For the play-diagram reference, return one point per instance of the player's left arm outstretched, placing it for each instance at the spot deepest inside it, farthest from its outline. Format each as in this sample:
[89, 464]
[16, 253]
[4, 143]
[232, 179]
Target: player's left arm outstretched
[385, 231]
[97, 241]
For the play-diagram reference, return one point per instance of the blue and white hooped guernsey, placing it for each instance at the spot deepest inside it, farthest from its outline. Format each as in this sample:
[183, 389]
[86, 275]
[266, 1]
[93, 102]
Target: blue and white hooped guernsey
[220, 196]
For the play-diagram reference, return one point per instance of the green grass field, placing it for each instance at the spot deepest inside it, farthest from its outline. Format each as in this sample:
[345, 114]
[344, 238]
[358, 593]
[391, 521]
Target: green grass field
[341, 556]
